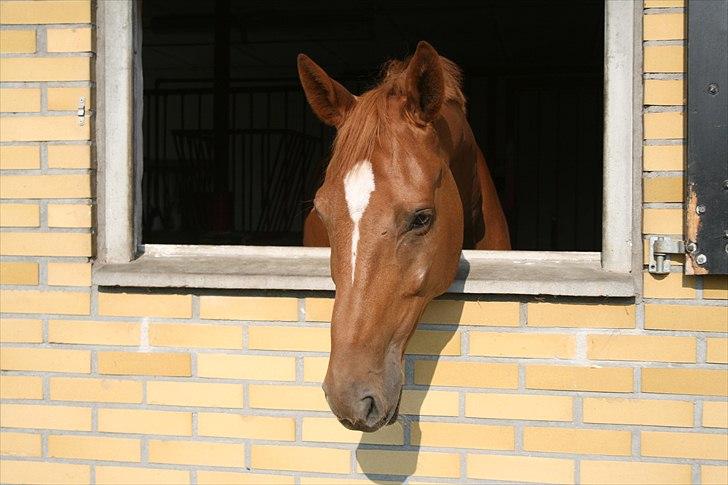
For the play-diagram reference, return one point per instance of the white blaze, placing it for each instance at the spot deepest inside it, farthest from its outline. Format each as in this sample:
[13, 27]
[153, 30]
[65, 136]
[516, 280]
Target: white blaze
[358, 186]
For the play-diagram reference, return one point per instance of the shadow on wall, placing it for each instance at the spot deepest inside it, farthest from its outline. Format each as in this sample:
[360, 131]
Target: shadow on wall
[376, 456]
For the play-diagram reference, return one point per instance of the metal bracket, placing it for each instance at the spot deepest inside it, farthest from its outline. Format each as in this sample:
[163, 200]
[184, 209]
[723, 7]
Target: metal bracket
[661, 247]
[81, 112]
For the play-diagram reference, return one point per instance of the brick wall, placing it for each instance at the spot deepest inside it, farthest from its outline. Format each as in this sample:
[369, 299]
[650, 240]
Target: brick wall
[212, 387]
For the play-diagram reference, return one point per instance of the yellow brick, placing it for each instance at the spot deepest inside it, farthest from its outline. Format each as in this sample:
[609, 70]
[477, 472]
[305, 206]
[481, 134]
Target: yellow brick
[466, 374]
[664, 3]
[18, 273]
[664, 58]
[145, 305]
[69, 274]
[664, 92]
[521, 469]
[248, 308]
[636, 473]
[717, 351]
[685, 445]
[581, 441]
[205, 477]
[319, 309]
[45, 417]
[715, 414]
[522, 345]
[434, 342]
[429, 403]
[19, 157]
[68, 303]
[289, 338]
[21, 387]
[352, 481]
[669, 26]
[667, 125]
[96, 390]
[223, 425]
[649, 412]
[715, 287]
[329, 430]
[663, 157]
[48, 360]
[68, 156]
[304, 398]
[69, 40]
[120, 475]
[93, 332]
[604, 379]
[145, 364]
[42, 128]
[201, 336]
[314, 368]
[19, 215]
[256, 367]
[69, 215]
[490, 313]
[580, 315]
[144, 421]
[46, 473]
[29, 69]
[17, 42]
[713, 475]
[663, 189]
[45, 186]
[94, 448]
[197, 453]
[16, 100]
[68, 99]
[21, 330]
[446, 465]
[322, 460]
[684, 317]
[20, 444]
[519, 406]
[45, 244]
[673, 285]
[641, 347]
[685, 381]
[454, 435]
[195, 394]
[46, 12]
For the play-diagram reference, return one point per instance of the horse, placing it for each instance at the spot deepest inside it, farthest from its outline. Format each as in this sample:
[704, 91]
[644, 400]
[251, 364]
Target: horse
[406, 188]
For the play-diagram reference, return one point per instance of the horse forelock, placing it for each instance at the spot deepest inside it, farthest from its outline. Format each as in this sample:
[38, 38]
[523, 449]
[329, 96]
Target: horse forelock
[368, 125]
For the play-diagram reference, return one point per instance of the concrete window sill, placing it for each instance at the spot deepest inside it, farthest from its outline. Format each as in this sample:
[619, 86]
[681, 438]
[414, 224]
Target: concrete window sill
[286, 268]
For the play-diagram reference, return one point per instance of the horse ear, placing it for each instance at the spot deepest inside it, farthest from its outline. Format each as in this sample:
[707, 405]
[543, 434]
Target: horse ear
[329, 100]
[425, 83]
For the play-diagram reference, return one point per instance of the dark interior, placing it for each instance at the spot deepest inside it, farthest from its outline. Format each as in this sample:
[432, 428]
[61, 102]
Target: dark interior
[233, 155]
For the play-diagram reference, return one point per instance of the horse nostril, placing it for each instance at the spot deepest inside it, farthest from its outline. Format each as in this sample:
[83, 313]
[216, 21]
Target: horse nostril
[370, 409]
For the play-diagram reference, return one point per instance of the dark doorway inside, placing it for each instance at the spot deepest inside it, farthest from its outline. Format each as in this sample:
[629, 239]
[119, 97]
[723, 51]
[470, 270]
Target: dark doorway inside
[233, 155]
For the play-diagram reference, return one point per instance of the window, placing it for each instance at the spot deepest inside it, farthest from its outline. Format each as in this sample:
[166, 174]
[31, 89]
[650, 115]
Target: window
[535, 102]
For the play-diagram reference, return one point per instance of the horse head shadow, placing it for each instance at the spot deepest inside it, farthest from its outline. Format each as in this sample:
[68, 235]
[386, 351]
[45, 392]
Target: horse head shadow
[391, 455]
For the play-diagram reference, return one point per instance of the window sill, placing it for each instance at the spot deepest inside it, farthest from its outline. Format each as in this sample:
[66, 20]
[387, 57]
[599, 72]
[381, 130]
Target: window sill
[285, 268]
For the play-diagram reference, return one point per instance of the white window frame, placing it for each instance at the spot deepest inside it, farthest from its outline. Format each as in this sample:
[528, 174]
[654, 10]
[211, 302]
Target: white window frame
[123, 261]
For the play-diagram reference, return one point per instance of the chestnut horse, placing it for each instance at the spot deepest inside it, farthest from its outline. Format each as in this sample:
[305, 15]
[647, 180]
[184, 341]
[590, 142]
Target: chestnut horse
[405, 190]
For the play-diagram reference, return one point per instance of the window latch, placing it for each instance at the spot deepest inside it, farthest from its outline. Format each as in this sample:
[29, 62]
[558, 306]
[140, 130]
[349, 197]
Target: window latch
[661, 247]
[81, 112]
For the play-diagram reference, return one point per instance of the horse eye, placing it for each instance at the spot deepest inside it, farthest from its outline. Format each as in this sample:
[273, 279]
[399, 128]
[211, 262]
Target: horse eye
[421, 220]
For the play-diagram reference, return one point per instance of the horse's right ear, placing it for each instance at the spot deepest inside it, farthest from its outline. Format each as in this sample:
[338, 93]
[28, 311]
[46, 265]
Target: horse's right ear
[329, 100]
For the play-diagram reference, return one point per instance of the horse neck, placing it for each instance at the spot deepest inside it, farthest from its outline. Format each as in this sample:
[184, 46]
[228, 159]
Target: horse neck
[463, 153]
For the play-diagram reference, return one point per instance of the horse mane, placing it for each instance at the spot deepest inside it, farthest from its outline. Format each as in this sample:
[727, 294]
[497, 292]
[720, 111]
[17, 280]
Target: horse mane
[368, 122]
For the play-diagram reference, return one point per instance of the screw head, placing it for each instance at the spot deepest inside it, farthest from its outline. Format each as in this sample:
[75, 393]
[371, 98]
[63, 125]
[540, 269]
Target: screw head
[713, 88]
[725, 184]
[691, 247]
[701, 259]
[700, 209]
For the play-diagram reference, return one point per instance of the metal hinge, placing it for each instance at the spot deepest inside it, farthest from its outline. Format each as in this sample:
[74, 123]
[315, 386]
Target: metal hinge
[661, 247]
[81, 113]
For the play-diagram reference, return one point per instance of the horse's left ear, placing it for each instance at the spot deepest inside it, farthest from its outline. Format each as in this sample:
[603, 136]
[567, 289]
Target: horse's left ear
[425, 83]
